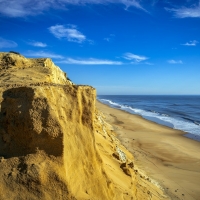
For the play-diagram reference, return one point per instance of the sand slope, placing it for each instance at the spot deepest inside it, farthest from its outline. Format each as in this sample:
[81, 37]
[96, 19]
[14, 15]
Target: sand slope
[163, 153]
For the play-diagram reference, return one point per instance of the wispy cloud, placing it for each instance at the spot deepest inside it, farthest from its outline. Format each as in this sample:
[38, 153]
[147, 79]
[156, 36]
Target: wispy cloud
[69, 32]
[90, 61]
[16, 8]
[175, 61]
[127, 3]
[107, 39]
[37, 44]
[148, 63]
[110, 38]
[7, 43]
[134, 57]
[191, 43]
[43, 54]
[184, 12]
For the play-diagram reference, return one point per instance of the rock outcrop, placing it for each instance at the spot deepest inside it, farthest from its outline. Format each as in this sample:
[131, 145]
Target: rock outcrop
[54, 144]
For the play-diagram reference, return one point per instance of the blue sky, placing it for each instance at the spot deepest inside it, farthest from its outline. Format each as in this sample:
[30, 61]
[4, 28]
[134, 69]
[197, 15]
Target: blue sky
[117, 46]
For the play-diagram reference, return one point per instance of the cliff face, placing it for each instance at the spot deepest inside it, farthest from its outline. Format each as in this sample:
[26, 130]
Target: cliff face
[50, 121]
[53, 143]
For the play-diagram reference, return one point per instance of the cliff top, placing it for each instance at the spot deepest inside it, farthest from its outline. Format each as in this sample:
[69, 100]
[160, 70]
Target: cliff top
[16, 69]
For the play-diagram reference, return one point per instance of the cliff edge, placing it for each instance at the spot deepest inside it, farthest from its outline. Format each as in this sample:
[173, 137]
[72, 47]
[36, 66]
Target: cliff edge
[54, 144]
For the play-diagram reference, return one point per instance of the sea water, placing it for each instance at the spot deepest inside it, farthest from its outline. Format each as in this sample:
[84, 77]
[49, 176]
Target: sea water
[178, 112]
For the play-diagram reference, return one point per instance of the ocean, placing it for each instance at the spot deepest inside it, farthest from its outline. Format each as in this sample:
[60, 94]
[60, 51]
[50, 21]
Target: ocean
[178, 112]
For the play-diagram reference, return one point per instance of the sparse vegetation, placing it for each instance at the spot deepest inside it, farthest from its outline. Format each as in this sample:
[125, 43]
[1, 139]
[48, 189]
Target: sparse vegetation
[15, 52]
[69, 79]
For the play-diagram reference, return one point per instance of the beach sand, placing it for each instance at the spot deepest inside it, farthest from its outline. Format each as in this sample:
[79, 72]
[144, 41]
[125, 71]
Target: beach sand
[163, 153]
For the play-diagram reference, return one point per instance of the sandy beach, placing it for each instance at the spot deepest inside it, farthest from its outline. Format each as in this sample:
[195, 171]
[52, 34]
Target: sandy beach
[163, 153]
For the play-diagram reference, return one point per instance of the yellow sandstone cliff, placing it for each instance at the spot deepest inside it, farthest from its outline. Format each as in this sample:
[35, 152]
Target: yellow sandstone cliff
[54, 144]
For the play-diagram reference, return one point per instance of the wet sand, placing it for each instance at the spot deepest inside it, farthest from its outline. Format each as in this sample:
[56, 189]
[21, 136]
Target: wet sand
[163, 153]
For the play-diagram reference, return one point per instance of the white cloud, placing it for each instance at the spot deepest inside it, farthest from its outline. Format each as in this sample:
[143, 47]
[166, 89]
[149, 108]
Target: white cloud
[7, 43]
[185, 12]
[16, 8]
[70, 33]
[191, 43]
[90, 61]
[37, 44]
[43, 54]
[175, 61]
[134, 57]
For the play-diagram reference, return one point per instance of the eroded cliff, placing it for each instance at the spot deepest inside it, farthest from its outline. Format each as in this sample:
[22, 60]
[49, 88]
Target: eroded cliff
[54, 144]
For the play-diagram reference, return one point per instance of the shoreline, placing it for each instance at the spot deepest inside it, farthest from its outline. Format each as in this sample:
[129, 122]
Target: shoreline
[161, 122]
[165, 154]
